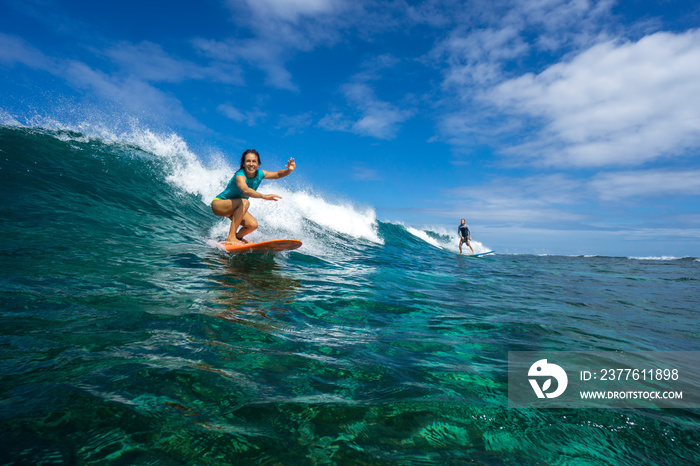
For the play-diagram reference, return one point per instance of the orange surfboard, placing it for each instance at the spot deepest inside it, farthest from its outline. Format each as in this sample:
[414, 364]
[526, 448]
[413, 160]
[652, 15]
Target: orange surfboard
[276, 245]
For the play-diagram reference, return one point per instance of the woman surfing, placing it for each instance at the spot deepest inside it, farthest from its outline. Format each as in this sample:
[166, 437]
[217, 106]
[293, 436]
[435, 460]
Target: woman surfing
[233, 202]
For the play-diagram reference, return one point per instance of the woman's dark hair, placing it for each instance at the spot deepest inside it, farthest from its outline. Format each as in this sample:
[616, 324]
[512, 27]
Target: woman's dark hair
[250, 151]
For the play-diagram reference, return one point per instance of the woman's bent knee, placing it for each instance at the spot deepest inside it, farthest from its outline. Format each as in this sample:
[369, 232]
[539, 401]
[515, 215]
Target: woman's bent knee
[249, 223]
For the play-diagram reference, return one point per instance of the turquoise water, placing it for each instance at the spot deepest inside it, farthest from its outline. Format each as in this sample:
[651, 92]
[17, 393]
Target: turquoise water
[129, 338]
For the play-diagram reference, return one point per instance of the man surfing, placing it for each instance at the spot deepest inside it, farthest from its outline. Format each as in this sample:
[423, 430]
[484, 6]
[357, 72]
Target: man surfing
[233, 202]
[464, 236]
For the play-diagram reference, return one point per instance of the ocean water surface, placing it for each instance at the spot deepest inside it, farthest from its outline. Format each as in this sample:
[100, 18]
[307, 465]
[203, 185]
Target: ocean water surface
[127, 337]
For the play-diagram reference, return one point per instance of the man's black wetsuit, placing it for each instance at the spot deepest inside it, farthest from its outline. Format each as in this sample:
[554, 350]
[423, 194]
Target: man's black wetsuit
[463, 231]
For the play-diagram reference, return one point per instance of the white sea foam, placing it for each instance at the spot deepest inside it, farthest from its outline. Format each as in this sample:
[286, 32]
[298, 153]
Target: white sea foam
[660, 258]
[424, 236]
[445, 239]
[8, 120]
[309, 218]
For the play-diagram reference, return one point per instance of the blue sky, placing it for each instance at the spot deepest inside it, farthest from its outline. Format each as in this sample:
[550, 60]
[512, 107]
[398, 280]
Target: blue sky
[553, 126]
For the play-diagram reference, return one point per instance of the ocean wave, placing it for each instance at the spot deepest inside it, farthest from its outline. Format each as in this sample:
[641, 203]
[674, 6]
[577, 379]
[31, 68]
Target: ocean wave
[318, 221]
[658, 258]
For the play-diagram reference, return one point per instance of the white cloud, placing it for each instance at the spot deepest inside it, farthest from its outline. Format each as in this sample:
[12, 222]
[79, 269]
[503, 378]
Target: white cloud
[378, 118]
[266, 54]
[335, 121]
[545, 189]
[646, 183]
[492, 41]
[148, 61]
[476, 58]
[374, 117]
[292, 10]
[366, 174]
[14, 50]
[127, 91]
[614, 104]
[294, 123]
[563, 202]
[538, 200]
[509, 212]
[493, 34]
[134, 94]
[250, 118]
[279, 28]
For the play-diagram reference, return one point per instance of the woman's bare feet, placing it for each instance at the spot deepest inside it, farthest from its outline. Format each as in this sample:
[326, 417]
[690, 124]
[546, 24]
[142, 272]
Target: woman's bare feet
[235, 241]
